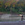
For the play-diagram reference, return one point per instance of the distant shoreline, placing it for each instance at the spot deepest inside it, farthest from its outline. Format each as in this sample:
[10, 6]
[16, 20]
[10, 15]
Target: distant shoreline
[10, 13]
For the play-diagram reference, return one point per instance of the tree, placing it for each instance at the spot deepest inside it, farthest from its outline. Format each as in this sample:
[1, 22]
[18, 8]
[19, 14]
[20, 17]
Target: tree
[24, 9]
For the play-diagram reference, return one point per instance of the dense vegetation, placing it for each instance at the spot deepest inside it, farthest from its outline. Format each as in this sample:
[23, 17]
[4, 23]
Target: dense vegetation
[16, 7]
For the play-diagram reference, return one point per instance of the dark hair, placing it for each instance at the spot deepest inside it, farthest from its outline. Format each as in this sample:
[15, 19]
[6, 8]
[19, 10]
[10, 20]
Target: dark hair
[22, 15]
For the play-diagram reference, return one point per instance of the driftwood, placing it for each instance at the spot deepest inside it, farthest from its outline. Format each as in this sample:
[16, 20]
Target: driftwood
[1, 13]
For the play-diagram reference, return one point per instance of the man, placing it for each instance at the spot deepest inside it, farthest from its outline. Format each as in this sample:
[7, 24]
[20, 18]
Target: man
[21, 18]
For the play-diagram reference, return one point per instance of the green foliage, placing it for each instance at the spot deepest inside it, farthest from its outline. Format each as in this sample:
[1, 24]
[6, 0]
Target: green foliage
[24, 8]
[15, 7]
